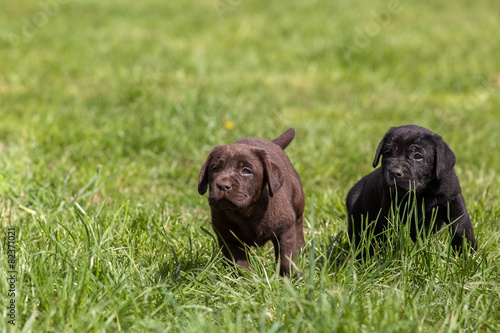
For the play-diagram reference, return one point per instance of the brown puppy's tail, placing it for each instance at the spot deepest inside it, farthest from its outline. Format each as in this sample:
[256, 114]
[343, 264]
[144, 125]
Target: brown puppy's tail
[284, 139]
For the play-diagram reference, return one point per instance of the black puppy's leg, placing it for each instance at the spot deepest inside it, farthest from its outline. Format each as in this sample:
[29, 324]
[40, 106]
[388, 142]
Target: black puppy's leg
[360, 231]
[354, 230]
[461, 224]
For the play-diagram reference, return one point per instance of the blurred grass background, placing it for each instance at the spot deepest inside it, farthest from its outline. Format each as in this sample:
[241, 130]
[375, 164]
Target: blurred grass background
[108, 111]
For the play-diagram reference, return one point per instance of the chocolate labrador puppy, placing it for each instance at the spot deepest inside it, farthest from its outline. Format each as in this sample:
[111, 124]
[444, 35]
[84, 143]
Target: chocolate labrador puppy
[413, 158]
[255, 196]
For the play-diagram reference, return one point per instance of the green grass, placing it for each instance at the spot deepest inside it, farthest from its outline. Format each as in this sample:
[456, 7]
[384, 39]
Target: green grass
[108, 110]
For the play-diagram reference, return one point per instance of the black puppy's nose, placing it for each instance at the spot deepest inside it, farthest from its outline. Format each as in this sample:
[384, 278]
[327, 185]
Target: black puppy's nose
[396, 173]
[224, 185]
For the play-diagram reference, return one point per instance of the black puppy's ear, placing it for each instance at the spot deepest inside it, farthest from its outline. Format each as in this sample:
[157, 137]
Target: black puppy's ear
[444, 158]
[203, 178]
[273, 175]
[379, 149]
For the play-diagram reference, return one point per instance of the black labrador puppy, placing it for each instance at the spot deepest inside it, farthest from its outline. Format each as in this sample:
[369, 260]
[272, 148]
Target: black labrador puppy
[416, 164]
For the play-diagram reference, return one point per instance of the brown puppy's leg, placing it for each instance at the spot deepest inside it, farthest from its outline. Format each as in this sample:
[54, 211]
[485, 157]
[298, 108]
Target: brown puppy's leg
[299, 230]
[285, 248]
[233, 251]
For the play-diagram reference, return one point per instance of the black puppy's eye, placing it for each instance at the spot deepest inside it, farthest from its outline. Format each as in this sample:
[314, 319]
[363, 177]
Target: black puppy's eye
[215, 169]
[246, 171]
[418, 156]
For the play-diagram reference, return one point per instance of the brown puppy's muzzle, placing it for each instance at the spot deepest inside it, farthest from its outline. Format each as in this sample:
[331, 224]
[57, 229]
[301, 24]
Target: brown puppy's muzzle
[224, 185]
[225, 193]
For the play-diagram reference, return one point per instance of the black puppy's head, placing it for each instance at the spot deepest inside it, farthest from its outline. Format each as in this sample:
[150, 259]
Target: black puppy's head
[412, 157]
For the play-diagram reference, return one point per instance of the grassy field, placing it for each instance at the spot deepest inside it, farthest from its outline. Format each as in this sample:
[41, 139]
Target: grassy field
[108, 110]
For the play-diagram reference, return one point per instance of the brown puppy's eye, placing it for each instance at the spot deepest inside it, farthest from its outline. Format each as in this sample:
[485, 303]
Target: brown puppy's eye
[246, 171]
[418, 156]
[215, 169]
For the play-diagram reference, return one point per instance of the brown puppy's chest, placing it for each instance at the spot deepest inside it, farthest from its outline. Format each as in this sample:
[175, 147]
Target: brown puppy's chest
[250, 230]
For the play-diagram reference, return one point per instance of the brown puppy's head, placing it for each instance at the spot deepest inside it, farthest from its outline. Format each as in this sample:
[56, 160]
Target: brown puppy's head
[237, 175]
[412, 157]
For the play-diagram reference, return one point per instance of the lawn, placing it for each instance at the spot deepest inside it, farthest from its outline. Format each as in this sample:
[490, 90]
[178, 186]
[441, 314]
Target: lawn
[109, 109]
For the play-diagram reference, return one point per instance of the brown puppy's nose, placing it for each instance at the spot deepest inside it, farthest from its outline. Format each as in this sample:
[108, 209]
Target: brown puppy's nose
[224, 185]
[396, 172]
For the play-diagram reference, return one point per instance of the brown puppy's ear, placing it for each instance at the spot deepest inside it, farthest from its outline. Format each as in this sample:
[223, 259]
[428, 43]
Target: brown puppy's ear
[444, 158]
[203, 178]
[273, 175]
[379, 149]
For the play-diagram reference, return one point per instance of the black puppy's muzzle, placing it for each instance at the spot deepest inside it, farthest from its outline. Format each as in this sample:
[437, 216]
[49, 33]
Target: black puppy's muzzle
[396, 172]
[398, 175]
